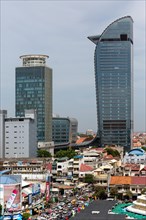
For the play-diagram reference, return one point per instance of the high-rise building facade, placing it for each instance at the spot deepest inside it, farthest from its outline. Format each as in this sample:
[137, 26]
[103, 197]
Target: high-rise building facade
[64, 130]
[21, 136]
[34, 91]
[113, 60]
[3, 116]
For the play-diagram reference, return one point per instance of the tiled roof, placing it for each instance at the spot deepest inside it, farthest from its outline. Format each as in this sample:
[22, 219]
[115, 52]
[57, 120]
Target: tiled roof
[133, 166]
[120, 180]
[85, 168]
[139, 180]
[128, 180]
[81, 140]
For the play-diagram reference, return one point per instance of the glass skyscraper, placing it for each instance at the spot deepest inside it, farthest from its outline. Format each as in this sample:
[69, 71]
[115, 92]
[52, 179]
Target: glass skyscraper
[34, 91]
[113, 60]
[64, 130]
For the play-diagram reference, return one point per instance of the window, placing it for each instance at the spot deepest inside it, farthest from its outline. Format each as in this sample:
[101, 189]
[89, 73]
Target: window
[123, 37]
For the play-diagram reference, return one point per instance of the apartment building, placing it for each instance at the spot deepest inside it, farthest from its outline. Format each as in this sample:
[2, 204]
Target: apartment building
[21, 136]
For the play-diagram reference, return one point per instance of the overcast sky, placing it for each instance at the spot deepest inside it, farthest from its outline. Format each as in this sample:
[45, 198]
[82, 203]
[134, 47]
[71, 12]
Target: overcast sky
[60, 29]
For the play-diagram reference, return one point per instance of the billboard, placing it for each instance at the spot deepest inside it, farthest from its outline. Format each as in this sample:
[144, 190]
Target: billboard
[10, 192]
[47, 191]
[12, 197]
[36, 188]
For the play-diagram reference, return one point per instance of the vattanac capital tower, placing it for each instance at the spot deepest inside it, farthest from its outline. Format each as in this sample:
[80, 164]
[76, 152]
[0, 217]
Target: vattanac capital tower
[113, 60]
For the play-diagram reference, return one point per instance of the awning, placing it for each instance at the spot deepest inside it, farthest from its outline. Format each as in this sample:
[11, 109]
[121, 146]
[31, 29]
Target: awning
[26, 191]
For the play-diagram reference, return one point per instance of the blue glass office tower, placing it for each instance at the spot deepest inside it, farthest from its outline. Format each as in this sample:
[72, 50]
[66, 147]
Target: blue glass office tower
[113, 60]
[34, 91]
[64, 130]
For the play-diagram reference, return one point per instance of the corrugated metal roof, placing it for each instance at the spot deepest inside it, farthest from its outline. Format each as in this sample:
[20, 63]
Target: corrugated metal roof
[7, 180]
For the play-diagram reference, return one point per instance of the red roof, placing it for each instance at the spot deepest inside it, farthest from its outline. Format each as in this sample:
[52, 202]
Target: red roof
[108, 157]
[81, 140]
[143, 169]
[118, 180]
[133, 166]
[85, 168]
[138, 180]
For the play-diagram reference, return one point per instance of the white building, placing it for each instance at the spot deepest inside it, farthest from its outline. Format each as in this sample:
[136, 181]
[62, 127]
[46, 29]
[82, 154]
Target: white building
[21, 136]
[3, 115]
[136, 156]
[91, 157]
[48, 146]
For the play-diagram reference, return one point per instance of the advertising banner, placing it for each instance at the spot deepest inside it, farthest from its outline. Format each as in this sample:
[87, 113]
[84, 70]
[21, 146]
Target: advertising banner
[29, 199]
[36, 189]
[47, 191]
[12, 197]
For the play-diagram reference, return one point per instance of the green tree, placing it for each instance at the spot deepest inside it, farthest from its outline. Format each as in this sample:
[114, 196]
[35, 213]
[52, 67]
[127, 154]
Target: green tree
[70, 153]
[144, 148]
[143, 191]
[89, 178]
[114, 192]
[1, 209]
[128, 194]
[100, 192]
[113, 152]
[26, 215]
[43, 153]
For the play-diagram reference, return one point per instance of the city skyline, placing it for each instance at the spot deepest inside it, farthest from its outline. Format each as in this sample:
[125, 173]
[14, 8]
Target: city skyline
[60, 30]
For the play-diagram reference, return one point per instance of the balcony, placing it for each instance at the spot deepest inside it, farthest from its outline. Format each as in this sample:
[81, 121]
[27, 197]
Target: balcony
[101, 177]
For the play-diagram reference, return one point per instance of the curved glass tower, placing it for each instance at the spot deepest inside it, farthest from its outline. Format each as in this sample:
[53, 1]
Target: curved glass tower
[114, 82]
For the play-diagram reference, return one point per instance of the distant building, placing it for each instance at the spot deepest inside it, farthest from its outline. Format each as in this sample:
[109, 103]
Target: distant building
[90, 132]
[136, 156]
[21, 136]
[3, 115]
[64, 130]
[48, 146]
[113, 60]
[34, 91]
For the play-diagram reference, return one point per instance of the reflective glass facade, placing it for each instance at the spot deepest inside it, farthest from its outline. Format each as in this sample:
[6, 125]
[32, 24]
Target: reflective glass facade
[64, 130]
[60, 130]
[114, 82]
[34, 91]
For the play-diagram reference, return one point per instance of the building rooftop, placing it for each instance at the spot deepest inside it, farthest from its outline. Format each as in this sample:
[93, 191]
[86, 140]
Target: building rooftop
[85, 168]
[120, 180]
[137, 152]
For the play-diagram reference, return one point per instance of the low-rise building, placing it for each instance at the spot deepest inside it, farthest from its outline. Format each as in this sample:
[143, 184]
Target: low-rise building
[33, 169]
[84, 170]
[135, 156]
[128, 183]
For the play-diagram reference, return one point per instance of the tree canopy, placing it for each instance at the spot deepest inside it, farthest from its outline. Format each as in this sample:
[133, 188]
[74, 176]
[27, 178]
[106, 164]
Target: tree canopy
[26, 215]
[144, 148]
[89, 178]
[1, 209]
[100, 192]
[70, 153]
[113, 152]
[43, 153]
